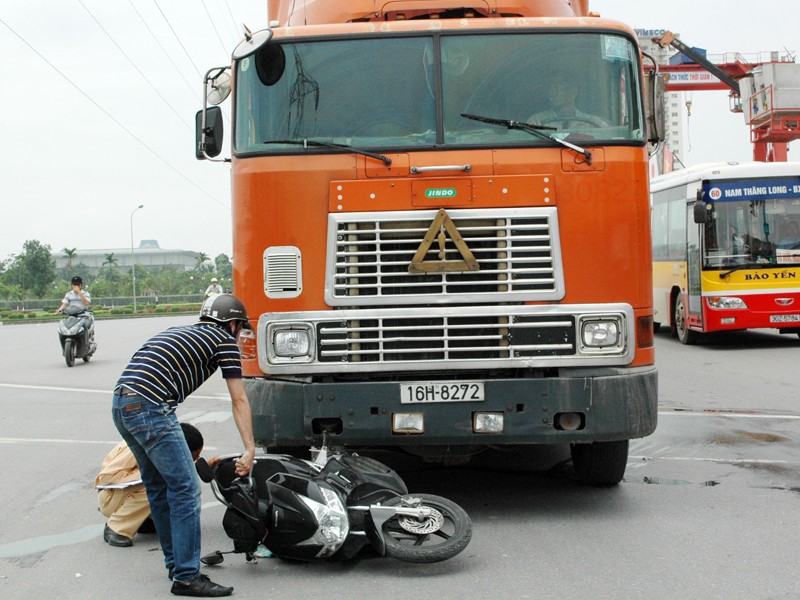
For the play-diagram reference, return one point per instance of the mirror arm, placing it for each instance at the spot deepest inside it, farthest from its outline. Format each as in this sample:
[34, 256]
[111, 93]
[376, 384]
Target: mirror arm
[204, 125]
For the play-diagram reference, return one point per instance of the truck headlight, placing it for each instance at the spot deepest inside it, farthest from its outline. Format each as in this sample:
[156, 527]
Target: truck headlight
[291, 342]
[601, 334]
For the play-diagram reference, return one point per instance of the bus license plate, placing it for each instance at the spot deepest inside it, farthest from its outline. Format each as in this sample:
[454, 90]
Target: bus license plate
[421, 392]
[784, 318]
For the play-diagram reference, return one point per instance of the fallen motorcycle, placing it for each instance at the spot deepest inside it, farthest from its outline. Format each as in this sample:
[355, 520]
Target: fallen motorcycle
[331, 507]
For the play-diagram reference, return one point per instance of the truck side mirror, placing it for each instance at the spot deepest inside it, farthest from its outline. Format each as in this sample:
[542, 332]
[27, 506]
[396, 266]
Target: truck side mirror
[655, 88]
[208, 134]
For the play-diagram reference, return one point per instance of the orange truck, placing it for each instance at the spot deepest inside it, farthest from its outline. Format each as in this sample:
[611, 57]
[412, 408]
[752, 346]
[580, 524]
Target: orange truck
[441, 221]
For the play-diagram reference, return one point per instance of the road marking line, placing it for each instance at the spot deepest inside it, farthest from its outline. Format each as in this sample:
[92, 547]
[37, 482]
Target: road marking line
[722, 413]
[224, 397]
[755, 461]
[8, 440]
[89, 391]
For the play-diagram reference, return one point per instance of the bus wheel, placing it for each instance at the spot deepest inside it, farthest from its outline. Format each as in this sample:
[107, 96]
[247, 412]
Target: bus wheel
[685, 335]
[600, 464]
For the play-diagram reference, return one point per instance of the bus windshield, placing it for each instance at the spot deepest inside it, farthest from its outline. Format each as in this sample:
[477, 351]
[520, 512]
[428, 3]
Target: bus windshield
[395, 92]
[755, 221]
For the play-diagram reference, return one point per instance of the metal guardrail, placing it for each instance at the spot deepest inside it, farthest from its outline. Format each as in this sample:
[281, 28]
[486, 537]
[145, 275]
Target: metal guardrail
[104, 302]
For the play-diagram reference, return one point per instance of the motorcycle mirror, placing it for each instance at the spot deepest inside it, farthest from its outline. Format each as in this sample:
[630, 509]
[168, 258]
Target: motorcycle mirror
[214, 558]
[204, 471]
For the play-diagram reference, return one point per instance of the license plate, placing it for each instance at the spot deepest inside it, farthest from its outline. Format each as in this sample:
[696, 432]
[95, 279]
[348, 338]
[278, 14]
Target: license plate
[784, 318]
[422, 392]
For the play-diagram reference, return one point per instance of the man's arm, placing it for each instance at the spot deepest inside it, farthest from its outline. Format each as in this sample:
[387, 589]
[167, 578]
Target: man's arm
[242, 416]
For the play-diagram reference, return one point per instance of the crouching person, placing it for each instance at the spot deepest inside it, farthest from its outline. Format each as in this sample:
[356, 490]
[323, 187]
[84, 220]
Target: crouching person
[121, 496]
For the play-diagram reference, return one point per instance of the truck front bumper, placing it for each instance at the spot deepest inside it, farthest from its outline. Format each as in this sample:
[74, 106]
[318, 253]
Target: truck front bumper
[611, 404]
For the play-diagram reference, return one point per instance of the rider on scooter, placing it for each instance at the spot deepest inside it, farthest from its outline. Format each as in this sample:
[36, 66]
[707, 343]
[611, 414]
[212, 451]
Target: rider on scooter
[77, 296]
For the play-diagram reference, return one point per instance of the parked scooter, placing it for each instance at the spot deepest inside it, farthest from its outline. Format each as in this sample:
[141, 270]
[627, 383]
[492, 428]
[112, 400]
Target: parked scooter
[331, 507]
[76, 334]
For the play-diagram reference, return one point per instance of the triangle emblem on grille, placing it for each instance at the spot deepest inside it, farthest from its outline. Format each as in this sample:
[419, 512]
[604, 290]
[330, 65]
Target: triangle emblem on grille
[441, 226]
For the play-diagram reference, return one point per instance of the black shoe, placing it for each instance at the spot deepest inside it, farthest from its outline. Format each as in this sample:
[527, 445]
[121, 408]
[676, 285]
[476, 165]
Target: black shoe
[112, 538]
[171, 572]
[202, 587]
[147, 526]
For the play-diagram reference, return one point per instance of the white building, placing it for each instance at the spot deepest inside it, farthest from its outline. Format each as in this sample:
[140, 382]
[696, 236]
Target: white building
[147, 255]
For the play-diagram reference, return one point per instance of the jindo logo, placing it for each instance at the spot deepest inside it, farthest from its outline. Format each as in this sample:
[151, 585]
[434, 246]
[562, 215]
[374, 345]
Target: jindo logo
[440, 193]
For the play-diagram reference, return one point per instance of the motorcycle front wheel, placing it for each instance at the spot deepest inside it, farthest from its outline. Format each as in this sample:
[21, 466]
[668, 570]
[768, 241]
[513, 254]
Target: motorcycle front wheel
[69, 352]
[441, 536]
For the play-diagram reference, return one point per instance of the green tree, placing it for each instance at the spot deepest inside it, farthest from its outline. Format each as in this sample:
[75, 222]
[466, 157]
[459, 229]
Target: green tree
[110, 260]
[70, 254]
[202, 258]
[34, 271]
[224, 267]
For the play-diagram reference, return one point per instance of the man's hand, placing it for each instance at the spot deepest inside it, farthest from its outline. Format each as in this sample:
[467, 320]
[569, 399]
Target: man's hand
[245, 462]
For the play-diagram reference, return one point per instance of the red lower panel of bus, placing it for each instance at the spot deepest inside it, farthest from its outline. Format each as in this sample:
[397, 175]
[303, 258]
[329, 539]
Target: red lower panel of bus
[763, 310]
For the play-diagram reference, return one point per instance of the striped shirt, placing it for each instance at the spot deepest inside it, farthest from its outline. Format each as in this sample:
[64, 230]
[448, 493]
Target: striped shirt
[174, 363]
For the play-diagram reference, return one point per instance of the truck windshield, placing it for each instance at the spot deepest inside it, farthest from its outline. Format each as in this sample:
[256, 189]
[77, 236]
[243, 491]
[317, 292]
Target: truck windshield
[381, 92]
[753, 223]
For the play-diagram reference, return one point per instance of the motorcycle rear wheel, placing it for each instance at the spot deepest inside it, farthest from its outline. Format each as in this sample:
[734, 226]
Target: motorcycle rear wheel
[432, 540]
[69, 352]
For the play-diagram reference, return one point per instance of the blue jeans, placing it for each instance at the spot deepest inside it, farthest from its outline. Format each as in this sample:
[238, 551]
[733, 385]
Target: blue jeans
[156, 439]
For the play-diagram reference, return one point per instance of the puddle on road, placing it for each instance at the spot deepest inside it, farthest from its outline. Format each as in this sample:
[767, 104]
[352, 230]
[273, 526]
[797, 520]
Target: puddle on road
[783, 489]
[39, 545]
[664, 481]
[739, 436]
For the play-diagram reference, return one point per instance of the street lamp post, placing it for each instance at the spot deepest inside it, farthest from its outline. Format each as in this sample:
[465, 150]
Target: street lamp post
[133, 262]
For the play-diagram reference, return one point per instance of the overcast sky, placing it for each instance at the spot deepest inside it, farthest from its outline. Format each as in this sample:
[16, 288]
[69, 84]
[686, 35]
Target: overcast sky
[99, 97]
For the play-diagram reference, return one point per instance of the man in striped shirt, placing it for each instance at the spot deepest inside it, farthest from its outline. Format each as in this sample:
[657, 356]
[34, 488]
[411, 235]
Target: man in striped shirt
[161, 374]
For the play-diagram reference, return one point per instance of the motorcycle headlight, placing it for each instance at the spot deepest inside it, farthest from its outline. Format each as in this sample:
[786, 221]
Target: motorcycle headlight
[73, 329]
[333, 524]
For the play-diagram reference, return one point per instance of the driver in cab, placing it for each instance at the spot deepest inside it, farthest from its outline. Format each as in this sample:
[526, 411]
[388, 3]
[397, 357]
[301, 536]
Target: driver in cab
[562, 95]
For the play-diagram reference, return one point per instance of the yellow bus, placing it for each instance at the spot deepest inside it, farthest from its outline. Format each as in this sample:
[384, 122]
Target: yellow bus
[726, 248]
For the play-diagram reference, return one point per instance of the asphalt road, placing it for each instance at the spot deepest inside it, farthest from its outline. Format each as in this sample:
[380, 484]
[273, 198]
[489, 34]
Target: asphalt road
[709, 507]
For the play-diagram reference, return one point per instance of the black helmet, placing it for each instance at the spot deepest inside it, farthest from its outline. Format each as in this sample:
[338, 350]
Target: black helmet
[224, 308]
[77, 280]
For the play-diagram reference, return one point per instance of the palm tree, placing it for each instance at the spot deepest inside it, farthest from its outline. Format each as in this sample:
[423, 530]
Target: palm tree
[202, 257]
[70, 254]
[110, 260]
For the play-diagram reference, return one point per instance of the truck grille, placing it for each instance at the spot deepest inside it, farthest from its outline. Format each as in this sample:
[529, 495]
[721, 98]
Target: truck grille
[447, 338]
[517, 251]
[444, 338]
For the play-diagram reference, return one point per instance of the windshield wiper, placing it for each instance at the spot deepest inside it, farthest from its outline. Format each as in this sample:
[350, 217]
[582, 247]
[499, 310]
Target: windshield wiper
[305, 143]
[749, 265]
[535, 129]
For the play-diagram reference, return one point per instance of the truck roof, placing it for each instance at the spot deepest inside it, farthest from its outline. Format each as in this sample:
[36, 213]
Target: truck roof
[294, 13]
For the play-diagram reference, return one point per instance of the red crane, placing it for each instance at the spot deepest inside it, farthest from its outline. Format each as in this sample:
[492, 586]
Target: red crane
[770, 89]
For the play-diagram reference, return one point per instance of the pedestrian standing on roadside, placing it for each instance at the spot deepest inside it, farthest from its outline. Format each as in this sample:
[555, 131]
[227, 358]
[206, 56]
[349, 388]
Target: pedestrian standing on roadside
[161, 374]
